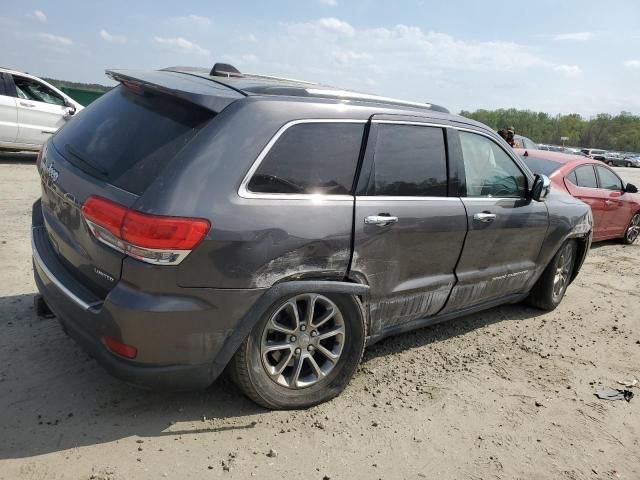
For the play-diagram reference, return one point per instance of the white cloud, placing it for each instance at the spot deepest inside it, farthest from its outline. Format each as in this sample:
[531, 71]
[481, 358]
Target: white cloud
[107, 37]
[568, 70]
[329, 3]
[180, 45]
[191, 20]
[54, 40]
[632, 64]
[334, 25]
[402, 61]
[347, 56]
[577, 36]
[40, 16]
[248, 38]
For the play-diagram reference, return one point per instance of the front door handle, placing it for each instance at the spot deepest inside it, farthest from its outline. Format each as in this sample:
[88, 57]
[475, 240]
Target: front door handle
[608, 202]
[485, 217]
[27, 104]
[380, 220]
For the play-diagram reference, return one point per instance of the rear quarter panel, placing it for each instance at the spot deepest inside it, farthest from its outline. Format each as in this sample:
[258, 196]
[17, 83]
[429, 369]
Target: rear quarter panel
[253, 243]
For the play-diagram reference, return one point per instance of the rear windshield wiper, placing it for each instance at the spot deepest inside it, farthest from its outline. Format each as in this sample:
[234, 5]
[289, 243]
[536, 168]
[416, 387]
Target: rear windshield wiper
[89, 163]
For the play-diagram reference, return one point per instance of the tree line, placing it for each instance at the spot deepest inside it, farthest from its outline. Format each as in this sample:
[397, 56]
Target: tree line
[610, 132]
[79, 85]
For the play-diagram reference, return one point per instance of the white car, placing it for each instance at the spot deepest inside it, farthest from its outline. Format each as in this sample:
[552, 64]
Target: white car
[31, 110]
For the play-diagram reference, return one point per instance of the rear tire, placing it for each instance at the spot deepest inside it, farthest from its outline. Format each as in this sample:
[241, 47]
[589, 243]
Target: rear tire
[628, 164]
[550, 288]
[610, 163]
[297, 360]
[633, 230]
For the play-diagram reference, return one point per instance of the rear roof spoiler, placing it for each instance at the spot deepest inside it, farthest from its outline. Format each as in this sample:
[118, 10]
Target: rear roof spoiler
[190, 88]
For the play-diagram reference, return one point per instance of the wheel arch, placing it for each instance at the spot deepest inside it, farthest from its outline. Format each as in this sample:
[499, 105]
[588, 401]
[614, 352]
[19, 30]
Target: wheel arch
[270, 296]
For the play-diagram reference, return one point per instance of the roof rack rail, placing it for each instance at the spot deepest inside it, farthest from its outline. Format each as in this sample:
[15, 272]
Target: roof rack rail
[272, 77]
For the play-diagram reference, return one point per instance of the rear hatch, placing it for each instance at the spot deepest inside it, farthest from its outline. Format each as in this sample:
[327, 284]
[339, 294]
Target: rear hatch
[114, 149]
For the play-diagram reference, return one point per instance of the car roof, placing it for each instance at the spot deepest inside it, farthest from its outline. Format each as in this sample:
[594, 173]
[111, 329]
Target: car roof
[17, 72]
[254, 84]
[559, 157]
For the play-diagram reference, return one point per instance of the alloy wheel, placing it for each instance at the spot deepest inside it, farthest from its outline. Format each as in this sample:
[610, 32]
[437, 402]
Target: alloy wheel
[563, 271]
[303, 341]
[634, 229]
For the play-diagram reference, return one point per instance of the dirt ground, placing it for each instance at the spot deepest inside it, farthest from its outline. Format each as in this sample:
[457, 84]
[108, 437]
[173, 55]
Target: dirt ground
[504, 394]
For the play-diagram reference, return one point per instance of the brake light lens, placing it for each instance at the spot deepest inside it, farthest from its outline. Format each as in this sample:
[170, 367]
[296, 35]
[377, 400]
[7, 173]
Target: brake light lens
[151, 238]
[107, 214]
[152, 231]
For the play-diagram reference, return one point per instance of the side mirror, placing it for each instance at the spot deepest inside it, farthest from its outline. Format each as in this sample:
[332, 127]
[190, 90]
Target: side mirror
[541, 188]
[630, 188]
[69, 112]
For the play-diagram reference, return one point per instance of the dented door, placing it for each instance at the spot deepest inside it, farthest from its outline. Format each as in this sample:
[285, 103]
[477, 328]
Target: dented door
[408, 232]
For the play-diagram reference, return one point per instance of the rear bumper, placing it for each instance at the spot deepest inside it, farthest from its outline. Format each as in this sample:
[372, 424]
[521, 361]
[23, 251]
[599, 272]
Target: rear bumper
[181, 336]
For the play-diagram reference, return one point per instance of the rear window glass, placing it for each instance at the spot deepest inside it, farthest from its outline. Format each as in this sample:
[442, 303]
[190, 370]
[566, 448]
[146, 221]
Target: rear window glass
[311, 158]
[586, 177]
[127, 138]
[541, 165]
[409, 161]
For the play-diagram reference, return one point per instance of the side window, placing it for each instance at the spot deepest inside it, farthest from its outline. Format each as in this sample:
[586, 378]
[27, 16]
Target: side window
[3, 90]
[586, 177]
[489, 171]
[409, 160]
[608, 179]
[29, 89]
[311, 158]
[572, 177]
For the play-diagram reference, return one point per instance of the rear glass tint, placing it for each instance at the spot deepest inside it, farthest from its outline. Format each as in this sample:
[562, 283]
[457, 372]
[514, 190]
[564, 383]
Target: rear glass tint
[409, 161]
[586, 177]
[311, 158]
[127, 138]
[541, 165]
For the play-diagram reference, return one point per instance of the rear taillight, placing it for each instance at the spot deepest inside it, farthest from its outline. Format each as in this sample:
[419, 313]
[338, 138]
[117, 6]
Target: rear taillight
[150, 238]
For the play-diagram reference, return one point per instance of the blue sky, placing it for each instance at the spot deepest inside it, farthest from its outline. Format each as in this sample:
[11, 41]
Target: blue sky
[579, 56]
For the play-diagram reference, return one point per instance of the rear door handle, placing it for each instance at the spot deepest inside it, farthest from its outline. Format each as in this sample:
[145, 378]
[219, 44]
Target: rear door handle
[27, 104]
[484, 217]
[608, 202]
[380, 220]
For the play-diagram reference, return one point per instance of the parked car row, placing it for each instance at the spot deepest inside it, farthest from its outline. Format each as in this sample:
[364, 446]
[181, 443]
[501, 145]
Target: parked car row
[621, 159]
[196, 221]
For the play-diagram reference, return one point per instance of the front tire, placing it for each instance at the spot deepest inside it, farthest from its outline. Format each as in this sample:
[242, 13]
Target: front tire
[610, 163]
[550, 288]
[302, 352]
[633, 230]
[628, 164]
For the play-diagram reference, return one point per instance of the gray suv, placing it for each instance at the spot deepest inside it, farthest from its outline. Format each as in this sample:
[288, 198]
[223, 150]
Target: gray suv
[196, 221]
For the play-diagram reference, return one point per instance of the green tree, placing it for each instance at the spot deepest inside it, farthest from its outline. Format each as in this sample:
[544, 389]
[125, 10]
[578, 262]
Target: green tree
[609, 132]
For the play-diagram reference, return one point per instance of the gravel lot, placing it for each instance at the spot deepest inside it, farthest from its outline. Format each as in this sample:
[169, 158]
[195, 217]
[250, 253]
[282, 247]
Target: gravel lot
[507, 393]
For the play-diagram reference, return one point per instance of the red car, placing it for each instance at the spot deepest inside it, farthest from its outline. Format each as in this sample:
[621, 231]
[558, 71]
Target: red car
[614, 204]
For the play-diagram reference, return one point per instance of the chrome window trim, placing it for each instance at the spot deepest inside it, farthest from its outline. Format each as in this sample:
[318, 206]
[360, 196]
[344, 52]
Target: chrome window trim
[61, 286]
[409, 122]
[244, 192]
[391, 198]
